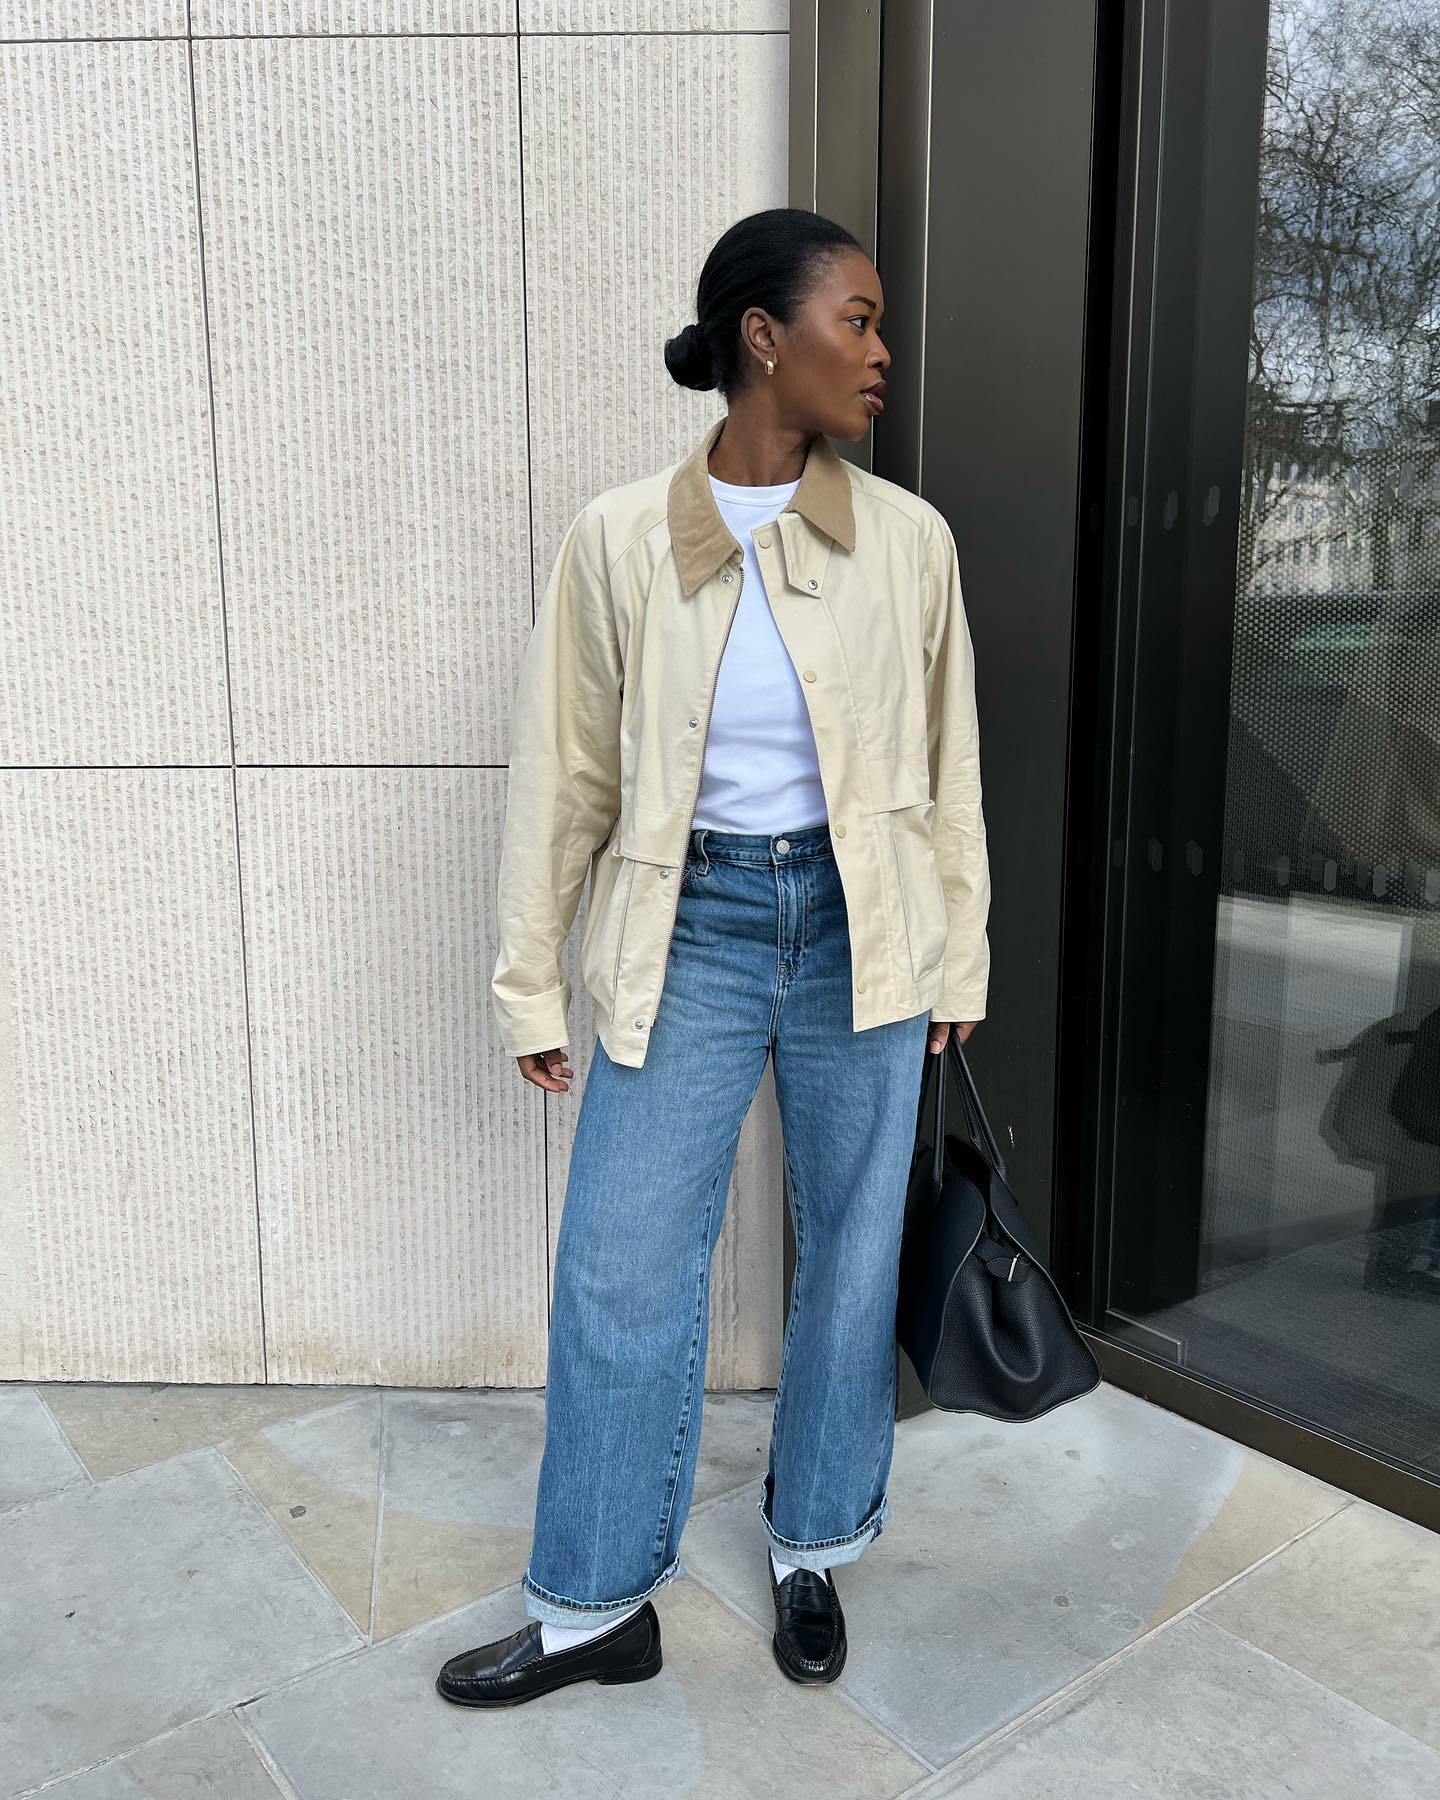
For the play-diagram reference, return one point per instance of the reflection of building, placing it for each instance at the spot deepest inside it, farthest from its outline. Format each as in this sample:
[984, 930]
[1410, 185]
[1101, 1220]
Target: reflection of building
[1375, 523]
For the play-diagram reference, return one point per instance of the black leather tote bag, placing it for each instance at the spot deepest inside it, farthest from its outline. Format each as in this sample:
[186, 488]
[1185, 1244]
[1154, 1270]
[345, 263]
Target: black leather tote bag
[977, 1313]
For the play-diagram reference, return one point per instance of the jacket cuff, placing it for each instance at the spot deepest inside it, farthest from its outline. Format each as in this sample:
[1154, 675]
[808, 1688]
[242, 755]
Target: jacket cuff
[529, 1023]
[962, 1000]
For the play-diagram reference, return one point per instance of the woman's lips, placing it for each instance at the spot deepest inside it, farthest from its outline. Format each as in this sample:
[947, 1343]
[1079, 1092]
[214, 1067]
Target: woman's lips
[874, 399]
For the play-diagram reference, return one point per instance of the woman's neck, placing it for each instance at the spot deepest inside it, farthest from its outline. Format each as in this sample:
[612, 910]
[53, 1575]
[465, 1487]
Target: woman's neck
[757, 451]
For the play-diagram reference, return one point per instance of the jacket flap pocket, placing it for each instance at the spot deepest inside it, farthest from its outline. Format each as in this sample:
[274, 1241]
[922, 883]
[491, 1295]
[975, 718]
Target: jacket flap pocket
[647, 841]
[896, 784]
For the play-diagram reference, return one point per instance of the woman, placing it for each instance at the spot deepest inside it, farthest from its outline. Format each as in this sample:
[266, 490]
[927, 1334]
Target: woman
[747, 712]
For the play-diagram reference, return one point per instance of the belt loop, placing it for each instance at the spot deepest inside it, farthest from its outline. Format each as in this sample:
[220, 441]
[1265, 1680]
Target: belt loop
[700, 846]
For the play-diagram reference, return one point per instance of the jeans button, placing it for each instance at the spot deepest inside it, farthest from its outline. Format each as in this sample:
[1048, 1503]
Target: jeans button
[782, 843]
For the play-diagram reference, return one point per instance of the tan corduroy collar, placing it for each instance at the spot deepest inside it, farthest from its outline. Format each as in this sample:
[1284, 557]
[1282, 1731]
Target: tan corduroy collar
[702, 541]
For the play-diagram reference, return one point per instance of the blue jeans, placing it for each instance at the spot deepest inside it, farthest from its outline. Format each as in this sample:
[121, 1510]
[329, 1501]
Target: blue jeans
[759, 964]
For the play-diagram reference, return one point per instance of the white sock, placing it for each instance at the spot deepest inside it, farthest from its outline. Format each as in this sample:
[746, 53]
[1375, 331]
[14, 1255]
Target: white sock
[784, 1569]
[566, 1637]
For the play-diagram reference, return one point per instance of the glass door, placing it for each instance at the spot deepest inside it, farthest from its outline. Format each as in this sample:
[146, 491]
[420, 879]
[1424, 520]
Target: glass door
[1271, 1213]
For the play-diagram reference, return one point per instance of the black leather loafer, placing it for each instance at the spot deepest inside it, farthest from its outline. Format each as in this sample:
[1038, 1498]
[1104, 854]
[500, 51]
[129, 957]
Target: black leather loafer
[517, 1668]
[809, 1641]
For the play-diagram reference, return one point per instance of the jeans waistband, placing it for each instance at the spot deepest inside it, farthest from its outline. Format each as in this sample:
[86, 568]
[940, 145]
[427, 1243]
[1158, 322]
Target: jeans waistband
[762, 846]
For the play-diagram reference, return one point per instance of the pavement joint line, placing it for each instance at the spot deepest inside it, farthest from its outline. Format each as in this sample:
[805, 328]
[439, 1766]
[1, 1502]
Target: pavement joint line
[1116, 1657]
[1324, 1686]
[229, 1709]
[65, 1437]
[281, 1538]
[38, 1388]
[926, 1784]
[764, 1634]
[379, 1524]
[262, 1752]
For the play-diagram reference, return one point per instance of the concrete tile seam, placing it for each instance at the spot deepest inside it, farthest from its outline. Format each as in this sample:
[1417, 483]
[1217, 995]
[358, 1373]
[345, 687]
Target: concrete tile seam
[326, 1663]
[300, 1418]
[763, 1634]
[50, 1413]
[19, 1506]
[254, 1499]
[379, 1521]
[1097, 1670]
[262, 1751]
[943, 1777]
[1315, 1682]
[120, 1756]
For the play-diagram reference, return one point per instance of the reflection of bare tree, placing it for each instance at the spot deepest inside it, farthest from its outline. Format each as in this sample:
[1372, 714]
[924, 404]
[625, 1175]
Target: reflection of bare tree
[1334, 782]
[1345, 350]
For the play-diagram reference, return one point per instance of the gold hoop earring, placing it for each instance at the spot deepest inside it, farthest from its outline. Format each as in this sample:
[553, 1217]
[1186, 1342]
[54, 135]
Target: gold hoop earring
[769, 366]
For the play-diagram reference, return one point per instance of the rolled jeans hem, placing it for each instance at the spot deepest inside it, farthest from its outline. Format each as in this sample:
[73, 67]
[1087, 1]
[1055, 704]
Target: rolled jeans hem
[554, 1609]
[825, 1553]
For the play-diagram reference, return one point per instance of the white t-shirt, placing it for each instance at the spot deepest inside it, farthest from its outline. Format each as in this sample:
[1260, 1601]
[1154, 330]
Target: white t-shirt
[760, 771]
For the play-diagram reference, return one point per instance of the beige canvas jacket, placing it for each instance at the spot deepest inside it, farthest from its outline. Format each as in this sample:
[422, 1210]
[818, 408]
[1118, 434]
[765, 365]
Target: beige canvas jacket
[610, 720]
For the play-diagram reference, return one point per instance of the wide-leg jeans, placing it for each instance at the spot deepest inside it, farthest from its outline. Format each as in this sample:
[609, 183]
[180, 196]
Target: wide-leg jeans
[759, 965]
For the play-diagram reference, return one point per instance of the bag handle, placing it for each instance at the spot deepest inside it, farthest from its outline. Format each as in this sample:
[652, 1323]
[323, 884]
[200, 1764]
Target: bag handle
[975, 1112]
[975, 1123]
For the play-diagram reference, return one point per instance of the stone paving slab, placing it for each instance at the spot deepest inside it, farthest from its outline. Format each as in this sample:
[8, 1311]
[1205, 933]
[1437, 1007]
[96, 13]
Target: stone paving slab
[142, 1603]
[719, 1722]
[1019, 1556]
[1356, 1605]
[35, 1459]
[210, 1760]
[119, 1426]
[1194, 1714]
[318, 1477]
[461, 1469]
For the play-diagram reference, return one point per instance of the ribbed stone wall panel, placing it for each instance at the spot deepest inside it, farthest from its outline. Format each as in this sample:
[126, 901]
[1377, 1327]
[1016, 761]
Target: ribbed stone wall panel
[92, 18]
[127, 1107]
[111, 639]
[361, 199]
[623, 198]
[299, 18]
[369, 319]
[655, 15]
[402, 1159]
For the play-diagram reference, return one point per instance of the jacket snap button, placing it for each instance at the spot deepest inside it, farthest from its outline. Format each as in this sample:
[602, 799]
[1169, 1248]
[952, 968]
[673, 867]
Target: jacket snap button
[809, 674]
[639, 1024]
[694, 721]
[664, 874]
[763, 540]
[859, 987]
[813, 584]
[727, 577]
[839, 830]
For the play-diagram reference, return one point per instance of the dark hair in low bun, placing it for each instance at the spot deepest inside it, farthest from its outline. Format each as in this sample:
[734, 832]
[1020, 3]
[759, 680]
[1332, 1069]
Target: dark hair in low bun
[769, 260]
[689, 360]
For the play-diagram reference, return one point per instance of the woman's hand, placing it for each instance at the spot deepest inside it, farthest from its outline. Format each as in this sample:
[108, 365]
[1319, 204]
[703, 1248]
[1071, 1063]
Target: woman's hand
[544, 1066]
[940, 1030]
